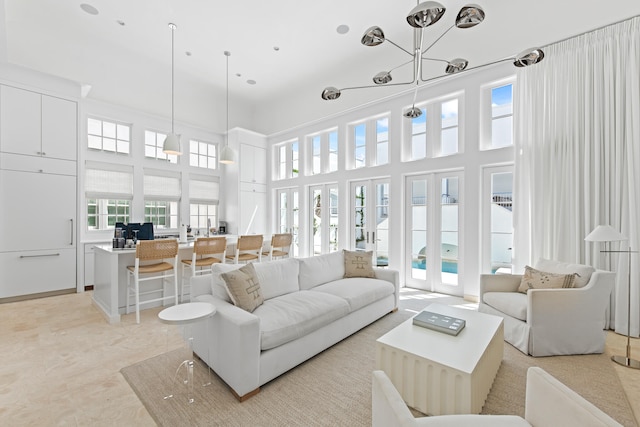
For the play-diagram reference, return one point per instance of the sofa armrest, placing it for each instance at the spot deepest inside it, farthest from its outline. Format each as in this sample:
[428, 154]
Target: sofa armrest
[548, 402]
[392, 276]
[230, 342]
[499, 283]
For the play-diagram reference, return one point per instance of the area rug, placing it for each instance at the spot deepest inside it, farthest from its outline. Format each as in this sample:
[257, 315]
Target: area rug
[334, 387]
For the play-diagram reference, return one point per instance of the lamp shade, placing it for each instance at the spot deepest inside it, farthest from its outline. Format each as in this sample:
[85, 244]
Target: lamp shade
[227, 156]
[172, 144]
[604, 233]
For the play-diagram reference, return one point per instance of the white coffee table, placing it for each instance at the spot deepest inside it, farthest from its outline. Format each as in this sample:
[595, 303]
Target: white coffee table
[187, 314]
[437, 373]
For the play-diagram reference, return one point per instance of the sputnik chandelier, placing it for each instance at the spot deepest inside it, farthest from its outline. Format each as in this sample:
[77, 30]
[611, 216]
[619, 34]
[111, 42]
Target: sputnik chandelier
[422, 16]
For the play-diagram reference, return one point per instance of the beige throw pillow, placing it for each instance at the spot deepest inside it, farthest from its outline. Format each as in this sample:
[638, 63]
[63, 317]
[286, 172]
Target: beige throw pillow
[358, 264]
[536, 279]
[243, 287]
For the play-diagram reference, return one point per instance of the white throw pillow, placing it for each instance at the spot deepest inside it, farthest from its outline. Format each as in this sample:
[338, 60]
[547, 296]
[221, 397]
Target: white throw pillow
[583, 271]
[278, 277]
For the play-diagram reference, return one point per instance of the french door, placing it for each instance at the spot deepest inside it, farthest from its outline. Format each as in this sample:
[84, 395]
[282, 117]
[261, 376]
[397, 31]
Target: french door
[370, 216]
[434, 232]
[288, 215]
[323, 210]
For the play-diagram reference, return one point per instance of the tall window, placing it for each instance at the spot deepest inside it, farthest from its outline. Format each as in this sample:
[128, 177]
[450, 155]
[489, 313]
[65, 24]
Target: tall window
[108, 136]
[382, 141]
[333, 151]
[419, 136]
[287, 159]
[360, 145]
[288, 219]
[316, 153]
[324, 218]
[108, 192]
[203, 154]
[203, 202]
[153, 142]
[502, 116]
[161, 196]
[498, 200]
[449, 127]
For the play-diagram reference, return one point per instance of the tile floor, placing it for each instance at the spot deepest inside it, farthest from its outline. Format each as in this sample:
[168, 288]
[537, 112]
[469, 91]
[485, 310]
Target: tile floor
[61, 361]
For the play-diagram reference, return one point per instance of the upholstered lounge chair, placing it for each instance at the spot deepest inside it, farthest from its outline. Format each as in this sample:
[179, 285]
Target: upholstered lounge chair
[546, 322]
[548, 403]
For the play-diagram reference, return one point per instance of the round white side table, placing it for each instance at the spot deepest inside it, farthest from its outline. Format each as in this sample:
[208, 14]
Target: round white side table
[187, 314]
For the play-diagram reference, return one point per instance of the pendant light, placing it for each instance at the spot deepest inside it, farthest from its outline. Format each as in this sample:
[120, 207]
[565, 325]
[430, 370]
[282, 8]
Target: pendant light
[172, 142]
[227, 156]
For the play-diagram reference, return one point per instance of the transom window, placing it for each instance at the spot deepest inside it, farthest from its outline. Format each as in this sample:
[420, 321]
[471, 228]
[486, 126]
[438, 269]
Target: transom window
[322, 152]
[108, 136]
[287, 158]
[502, 116]
[435, 132]
[203, 154]
[153, 142]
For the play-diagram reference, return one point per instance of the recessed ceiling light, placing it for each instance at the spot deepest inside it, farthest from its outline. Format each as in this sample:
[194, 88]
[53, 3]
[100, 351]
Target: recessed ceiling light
[238, 75]
[121, 22]
[342, 29]
[251, 82]
[89, 9]
[187, 53]
[276, 48]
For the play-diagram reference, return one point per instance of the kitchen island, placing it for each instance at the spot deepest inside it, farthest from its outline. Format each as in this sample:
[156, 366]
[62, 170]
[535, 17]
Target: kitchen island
[110, 276]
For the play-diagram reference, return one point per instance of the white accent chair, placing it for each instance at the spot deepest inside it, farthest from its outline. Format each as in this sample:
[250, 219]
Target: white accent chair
[546, 322]
[548, 403]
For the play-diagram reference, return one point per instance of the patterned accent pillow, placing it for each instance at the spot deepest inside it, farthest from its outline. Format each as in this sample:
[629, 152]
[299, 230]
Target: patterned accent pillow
[358, 264]
[243, 287]
[536, 279]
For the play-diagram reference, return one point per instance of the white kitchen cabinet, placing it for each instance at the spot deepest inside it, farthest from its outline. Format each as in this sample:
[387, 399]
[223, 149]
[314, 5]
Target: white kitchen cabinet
[37, 125]
[38, 193]
[253, 208]
[253, 164]
[245, 189]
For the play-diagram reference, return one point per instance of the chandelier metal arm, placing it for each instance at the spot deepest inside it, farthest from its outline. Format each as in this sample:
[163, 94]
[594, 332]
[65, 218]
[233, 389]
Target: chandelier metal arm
[437, 40]
[467, 69]
[399, 47]
[435, 59]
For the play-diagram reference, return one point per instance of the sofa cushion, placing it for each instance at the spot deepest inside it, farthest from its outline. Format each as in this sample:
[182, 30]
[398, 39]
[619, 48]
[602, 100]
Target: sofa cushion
[357, 291]
[583, 271]
[218, 287]
[320, 269]
[278, 277]
[243, 287]
[358, 264]
[513, 304]
[537, 279]
[295, 315]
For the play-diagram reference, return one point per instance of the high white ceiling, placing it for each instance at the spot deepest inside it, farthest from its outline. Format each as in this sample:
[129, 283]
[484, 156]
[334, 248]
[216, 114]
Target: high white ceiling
[130, 64]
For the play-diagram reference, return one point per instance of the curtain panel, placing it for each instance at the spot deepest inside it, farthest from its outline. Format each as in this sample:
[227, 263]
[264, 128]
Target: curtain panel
[577, 138]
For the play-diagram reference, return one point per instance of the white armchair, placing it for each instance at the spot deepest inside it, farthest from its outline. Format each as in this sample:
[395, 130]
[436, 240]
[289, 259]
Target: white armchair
[545, 322]
[548, 403]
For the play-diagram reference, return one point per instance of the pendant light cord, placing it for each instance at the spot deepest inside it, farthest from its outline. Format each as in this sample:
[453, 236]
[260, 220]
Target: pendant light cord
[173, 27]
[226, 136]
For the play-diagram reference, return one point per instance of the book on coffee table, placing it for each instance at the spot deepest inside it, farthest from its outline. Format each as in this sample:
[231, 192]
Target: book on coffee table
[439, 322]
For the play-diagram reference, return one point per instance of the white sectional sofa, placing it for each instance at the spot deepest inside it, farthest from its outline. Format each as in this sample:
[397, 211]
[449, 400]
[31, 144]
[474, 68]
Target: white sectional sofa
[308, 306]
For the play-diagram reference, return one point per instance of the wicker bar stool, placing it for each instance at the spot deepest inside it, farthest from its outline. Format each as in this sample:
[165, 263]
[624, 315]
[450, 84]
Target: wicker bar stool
[206, 252]
[152, 257]
[280, 246]
[248, 248]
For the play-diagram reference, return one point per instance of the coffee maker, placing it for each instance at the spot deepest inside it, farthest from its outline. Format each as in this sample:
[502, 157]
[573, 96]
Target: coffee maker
[222, 227]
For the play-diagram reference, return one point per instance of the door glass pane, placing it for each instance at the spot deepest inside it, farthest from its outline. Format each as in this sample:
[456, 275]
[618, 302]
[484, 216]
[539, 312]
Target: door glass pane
[419, 229]
[316, 207]
[295, 223]
[501, 221]
[283, 212]
[333, 219]
[360, 217]
[382, 225]
[449, 200]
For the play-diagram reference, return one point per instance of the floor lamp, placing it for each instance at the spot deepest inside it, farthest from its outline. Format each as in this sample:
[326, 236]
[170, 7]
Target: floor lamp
[606, 233]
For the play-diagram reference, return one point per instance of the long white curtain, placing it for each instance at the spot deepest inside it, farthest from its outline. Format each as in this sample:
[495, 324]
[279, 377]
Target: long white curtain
[577, 127]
